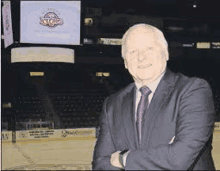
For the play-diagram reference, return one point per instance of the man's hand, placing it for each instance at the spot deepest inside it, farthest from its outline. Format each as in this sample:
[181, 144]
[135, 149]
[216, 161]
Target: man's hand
[115, 160]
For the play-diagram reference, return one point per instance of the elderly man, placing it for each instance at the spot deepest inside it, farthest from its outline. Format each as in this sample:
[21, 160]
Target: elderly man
[162, 121]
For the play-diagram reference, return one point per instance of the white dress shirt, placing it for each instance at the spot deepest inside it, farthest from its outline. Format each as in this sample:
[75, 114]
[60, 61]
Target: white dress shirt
[152, 87]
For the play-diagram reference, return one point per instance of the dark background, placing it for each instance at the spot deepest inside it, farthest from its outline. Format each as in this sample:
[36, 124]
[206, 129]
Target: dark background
[111, 19]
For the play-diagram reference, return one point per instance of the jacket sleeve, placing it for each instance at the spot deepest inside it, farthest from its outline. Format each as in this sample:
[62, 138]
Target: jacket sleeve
[104, 146]
[194, 126]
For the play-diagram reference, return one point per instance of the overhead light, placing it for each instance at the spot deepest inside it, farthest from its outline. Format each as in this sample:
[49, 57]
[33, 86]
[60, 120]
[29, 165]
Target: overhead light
[98, 74]
[188, 44]
[88, 21]
[106, 74]
[203, 45]
[215, 45]
[110, 41]
[194, 6]
[87, 41]
[36, 73]
[6, 105]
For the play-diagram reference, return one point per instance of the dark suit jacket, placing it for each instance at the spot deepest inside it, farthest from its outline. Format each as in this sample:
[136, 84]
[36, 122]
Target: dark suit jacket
[181, 107]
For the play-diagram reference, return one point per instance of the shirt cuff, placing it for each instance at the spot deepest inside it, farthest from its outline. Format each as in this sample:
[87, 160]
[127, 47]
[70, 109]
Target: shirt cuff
[125, 157]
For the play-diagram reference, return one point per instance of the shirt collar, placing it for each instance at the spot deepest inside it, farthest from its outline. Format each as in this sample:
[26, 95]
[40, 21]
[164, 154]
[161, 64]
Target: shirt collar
[153, 85]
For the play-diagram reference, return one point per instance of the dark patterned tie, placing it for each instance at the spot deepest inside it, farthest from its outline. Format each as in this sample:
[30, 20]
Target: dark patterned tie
[143, 104]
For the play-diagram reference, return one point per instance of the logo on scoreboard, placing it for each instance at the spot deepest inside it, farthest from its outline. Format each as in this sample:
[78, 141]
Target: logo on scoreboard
[51, 19]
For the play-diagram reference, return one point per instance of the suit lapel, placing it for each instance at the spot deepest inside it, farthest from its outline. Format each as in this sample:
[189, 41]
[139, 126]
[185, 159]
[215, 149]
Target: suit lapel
[159, 99]
[128, 117]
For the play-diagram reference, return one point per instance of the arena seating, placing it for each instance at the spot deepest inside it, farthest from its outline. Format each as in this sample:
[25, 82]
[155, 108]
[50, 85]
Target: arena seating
[75, 109]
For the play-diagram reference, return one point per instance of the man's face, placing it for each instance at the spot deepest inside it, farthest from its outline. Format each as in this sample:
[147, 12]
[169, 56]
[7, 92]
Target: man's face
[144, 58]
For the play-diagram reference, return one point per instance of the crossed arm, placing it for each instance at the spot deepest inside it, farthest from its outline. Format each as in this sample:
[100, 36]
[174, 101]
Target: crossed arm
[104, 146]
[194, 127]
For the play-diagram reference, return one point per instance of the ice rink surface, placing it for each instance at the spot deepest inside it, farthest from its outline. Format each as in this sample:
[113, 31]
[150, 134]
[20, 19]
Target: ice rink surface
[63, 154]
[51, 155]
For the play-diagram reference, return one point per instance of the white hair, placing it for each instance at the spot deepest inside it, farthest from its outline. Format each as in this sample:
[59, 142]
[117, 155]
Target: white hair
[146, 27]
